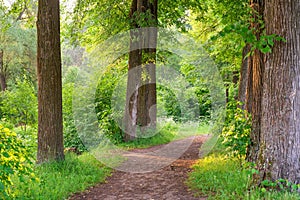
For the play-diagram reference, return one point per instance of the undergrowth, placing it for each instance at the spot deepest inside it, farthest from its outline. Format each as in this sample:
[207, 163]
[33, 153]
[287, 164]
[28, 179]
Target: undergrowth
[58, 180]
[221, 177]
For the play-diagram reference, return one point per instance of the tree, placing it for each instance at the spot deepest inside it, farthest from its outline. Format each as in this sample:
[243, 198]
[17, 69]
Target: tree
[2, 69]
[279, 151]
[50, 128]
[140, 110]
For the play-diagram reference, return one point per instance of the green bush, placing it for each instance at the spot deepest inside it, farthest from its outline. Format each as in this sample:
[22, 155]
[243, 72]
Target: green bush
[106, 86]
[170, 103]
[236, 133]
[28, 137]
[15, 160]
[71, 138]
[19, 105]
[199, 89]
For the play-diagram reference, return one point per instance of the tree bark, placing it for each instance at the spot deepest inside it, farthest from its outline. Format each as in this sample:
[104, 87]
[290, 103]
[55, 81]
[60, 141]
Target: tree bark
[140, 109]
[147, 92]
[2, 72]
[256, 82]
[280, 126]
[50, 129]
[244, 76]
[133, 83]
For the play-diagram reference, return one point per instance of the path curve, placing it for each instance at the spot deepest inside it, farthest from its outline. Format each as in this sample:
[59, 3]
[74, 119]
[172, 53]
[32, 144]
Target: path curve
[164, 184]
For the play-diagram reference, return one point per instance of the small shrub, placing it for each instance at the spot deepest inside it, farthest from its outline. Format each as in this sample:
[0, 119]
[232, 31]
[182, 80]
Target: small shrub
[236, 133]
[19, 105]
[15, 160]
[103, 99]
[279, 185]
[71, 138]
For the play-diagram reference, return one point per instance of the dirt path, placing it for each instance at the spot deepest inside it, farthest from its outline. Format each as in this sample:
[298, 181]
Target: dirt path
[164, 184]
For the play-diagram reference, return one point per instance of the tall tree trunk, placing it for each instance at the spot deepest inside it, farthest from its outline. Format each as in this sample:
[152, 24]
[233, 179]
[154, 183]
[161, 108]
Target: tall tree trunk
[147, 93]
[133, 83]
[140, 110]
[280, 125]
[50, 129]
[2, 72]
[257, 70]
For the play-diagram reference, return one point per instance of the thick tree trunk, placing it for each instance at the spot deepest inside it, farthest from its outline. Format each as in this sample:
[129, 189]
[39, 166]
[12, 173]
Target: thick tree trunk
[2, 72]
[257, 70]
[140, 110]
[50, 129]
[133, 79]
[280, 126]
[147, 93]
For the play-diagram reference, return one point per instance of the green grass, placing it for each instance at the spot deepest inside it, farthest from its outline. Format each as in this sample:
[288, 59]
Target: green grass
[165, 135]
[168, 132]
[192, 129]
[58, 180]
[223, 178]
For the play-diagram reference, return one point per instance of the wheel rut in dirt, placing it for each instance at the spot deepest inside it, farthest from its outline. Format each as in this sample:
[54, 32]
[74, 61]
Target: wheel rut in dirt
[167, 183]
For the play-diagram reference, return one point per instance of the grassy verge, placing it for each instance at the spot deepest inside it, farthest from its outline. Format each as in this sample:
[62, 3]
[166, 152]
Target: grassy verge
[58, 180]
[167, 133]
[224, 178]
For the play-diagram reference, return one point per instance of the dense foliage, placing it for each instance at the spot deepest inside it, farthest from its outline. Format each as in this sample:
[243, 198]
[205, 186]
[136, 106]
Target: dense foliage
[71, 138]
[15, 160]
[19, 104]
[236, 133]
[108, 118]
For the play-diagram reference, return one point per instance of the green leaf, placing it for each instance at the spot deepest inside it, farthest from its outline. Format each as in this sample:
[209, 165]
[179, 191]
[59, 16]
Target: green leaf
[5, 154]
[266, 50]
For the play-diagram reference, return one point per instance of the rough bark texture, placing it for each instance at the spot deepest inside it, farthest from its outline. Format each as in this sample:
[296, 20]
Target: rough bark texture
[140, 108]
[257, 70]
[133, 83]
[147, 93]
[50, 129]
[2, 72]
[249, 89]
[244, 76]
[280, 127]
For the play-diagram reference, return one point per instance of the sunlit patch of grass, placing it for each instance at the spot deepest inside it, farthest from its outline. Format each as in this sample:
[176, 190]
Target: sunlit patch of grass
[193, 129]
[167, 133]
[58, 180]
[219, 177]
